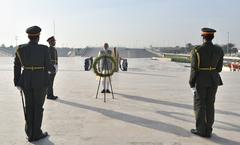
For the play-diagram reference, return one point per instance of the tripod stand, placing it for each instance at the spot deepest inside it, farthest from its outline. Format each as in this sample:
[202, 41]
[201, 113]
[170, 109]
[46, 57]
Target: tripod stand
[105, 69]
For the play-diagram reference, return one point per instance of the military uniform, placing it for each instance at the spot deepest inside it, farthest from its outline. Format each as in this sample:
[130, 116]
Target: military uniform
[207, 62]
[54, 60]
[33, 80]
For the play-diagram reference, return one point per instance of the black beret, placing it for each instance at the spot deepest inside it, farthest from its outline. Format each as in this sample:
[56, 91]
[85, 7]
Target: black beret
[33, 31]
[50, 38]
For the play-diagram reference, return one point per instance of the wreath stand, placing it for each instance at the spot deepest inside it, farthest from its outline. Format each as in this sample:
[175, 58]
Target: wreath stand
[106, 75]
[105, 84]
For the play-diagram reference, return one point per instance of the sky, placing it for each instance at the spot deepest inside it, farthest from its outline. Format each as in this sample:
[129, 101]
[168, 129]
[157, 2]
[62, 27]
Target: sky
[129, 23]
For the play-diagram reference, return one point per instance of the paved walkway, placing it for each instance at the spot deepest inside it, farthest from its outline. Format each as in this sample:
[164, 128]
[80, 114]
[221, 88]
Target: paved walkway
[152, 106]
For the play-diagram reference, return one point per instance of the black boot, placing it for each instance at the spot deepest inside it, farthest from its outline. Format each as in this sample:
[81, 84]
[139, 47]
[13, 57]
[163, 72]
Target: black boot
[196, 132]
[43, 135]
[52, 97]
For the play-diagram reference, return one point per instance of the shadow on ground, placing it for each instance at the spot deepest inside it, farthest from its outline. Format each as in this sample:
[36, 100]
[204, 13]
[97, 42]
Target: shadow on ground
[182, 117]
[168, 103]
[44, 141]
[216, 139]
[156, 125]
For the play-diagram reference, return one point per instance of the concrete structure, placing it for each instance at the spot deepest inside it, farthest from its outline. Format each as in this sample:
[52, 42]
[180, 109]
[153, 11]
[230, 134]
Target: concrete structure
[124, 52]
[5, 53]
[153, 106]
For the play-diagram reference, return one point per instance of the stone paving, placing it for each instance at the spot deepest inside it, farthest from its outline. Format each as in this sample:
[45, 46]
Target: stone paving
[152, 106]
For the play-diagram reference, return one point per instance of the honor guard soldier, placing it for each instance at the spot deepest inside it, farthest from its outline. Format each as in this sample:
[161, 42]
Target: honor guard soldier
[33, 80]
[207, 63]
[54, 60]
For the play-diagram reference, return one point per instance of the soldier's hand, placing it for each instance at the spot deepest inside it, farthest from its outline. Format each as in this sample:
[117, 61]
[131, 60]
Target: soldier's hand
[56, 68]
[193, 89]
[19, 88]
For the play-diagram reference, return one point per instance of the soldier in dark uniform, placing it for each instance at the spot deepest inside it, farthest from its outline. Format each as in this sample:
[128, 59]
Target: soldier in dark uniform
[207, 63]
[33, 80]
[54, 60]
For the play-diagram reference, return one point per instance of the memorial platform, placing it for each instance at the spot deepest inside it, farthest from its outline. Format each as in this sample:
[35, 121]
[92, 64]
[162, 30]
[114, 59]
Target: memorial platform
[153, 105]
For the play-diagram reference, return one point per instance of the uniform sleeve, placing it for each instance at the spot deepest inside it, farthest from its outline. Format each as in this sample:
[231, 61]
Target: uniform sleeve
[47, 61]
[56, 56]
[193, 72]
[17, 69]
[220, 62]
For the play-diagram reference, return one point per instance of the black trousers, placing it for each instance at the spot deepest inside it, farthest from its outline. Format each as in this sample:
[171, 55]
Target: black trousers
[204, 100]
[34, 100]
[50, 88]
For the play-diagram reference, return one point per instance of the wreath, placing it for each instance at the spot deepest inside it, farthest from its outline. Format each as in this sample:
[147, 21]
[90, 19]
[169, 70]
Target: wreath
[110, 72]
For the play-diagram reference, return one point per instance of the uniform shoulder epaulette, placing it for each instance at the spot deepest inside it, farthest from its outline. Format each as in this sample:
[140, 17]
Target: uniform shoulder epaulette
[20, 46]
[197, 47]
[18, 53]
[218, 46]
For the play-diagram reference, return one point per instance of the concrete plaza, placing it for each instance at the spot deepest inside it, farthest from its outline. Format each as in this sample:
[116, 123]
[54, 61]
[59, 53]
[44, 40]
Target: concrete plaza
[152, 106]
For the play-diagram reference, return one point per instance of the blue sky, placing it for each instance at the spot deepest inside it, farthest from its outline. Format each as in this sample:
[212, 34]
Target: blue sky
[131, 23]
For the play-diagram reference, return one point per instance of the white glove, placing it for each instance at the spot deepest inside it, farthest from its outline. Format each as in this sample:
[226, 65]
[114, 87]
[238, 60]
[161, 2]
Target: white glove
[49, 72]
[193, 89]
[19, 88]
[56, 68]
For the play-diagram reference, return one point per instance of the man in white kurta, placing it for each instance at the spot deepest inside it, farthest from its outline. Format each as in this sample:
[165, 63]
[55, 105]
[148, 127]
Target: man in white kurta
[105, 67]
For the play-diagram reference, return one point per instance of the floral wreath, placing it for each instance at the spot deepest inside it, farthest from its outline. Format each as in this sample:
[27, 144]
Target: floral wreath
[110, 72]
